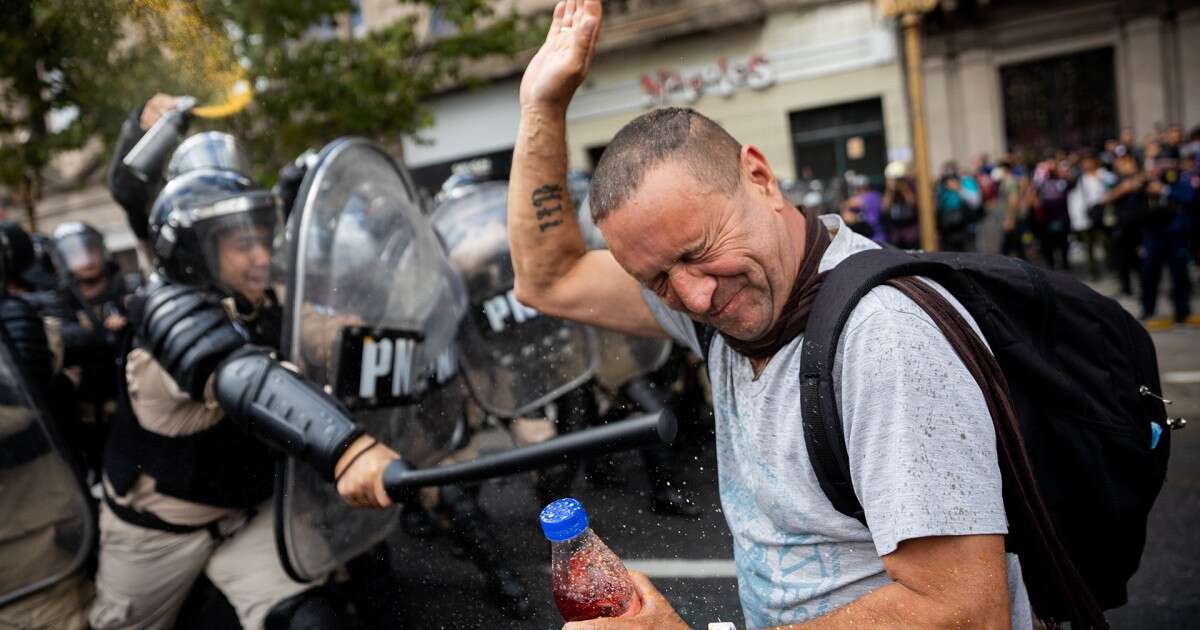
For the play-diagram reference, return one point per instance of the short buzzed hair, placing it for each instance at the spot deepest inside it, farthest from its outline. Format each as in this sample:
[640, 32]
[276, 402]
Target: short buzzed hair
[706, 150]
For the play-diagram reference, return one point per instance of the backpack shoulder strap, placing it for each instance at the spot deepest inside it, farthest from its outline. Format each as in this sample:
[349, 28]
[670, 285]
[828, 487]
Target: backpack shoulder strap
[840, 292]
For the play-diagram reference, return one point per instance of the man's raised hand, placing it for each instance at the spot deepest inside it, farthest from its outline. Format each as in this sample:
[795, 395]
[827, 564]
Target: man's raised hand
[558, 68]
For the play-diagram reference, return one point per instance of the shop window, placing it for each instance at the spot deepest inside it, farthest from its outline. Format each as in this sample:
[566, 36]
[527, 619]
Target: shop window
[1063, 102]
[829, 141]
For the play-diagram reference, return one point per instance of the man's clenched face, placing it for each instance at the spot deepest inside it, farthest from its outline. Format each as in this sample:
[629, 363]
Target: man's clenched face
[725, 258]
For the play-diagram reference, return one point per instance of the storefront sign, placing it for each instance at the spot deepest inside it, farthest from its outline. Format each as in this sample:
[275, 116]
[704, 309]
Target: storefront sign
[723, 78]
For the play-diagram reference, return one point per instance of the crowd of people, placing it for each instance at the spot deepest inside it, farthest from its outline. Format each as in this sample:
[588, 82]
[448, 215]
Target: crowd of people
[1129, 209]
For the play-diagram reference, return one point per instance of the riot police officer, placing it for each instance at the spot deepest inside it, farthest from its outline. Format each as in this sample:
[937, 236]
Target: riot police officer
[41, 584]
[186, 490]
[91, 304]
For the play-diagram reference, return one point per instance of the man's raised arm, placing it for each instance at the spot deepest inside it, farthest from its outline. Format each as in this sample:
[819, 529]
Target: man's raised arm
[555, 273]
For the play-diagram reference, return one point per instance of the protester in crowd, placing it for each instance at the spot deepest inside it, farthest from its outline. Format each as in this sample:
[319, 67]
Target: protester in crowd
[989, 232]
[958, 201]
[1007, 205]
[1166, 235]
[1130, 202]
[1128, 140]
[863, 211]
[726, 254]
[900, 207]
[1048, 197]
[1190, 167]
[1085, 206]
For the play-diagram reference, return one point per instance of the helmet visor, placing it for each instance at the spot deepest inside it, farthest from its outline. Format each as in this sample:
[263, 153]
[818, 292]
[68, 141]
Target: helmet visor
[238, 236]
[81, 253]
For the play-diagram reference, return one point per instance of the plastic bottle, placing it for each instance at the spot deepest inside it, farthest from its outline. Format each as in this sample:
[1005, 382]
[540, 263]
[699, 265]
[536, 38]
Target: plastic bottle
[588, 579]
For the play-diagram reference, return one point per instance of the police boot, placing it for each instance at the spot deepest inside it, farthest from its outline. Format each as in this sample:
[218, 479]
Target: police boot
[472, 530]
[310, 610]
[667, 496]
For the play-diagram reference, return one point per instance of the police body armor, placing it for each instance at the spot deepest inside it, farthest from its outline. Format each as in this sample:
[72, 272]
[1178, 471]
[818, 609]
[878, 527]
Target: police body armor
[48, 527]
[222, 465]
[371, 313]
[514, 359]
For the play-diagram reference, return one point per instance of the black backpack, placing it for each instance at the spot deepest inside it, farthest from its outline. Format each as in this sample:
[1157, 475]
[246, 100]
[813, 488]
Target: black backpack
[1082, 377]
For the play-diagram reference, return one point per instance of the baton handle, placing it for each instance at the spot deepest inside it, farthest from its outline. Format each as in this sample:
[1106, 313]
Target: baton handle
[638, 432]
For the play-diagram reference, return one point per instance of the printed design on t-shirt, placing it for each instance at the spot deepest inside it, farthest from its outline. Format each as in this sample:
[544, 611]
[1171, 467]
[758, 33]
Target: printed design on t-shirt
[783, 576]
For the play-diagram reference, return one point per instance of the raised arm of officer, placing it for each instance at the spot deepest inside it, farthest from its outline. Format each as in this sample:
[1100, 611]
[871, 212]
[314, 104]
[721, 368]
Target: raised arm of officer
[555, 273]
[134, 195]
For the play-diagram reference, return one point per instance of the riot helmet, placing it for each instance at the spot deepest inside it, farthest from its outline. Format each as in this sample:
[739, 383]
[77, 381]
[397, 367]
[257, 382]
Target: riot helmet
[215, 228]
[42, 274]
[209, 150]
[80, 249]
[17, 254]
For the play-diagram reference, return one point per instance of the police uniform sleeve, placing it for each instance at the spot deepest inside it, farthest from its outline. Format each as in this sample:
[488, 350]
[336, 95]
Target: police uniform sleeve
[25, 331]
[192, 337]
[133, 195]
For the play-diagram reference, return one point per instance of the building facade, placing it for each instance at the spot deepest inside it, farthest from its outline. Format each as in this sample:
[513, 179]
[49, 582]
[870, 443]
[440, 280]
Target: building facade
[1025, 77]
[816, 85]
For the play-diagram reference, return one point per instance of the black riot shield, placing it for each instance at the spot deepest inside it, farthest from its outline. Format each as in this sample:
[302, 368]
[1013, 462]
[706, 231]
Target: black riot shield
[46, 522]
[622, 357]
[514, 359]
[372, 309]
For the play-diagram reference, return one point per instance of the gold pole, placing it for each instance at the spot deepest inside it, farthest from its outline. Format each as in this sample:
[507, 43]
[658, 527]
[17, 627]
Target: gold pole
[911, 22]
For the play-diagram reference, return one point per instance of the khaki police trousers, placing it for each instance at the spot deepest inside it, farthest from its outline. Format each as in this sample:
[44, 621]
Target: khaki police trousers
[145, 574]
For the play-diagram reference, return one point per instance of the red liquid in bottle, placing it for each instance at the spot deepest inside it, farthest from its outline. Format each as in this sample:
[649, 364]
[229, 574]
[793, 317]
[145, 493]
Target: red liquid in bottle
[589, 580]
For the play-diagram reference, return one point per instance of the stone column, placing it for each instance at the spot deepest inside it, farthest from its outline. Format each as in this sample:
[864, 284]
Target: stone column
[1189, 67]
[979, 94]
[1145, 75]
[942, 143]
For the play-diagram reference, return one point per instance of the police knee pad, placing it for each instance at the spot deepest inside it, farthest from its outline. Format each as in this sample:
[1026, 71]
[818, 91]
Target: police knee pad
[310, 610]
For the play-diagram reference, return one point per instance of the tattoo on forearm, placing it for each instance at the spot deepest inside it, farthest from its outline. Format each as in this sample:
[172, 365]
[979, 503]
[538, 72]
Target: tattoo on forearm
[547, 200]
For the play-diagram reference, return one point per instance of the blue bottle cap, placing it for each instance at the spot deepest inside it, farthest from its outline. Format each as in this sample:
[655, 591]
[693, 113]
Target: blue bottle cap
[563, 520]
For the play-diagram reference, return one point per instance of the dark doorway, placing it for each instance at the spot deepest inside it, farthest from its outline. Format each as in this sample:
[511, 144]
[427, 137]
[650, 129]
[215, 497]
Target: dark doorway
[828, 141]
[594, 154]
[1064, 102]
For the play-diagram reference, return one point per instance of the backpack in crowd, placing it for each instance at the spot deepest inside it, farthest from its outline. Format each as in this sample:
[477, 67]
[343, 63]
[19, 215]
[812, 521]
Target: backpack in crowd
[1083, 451]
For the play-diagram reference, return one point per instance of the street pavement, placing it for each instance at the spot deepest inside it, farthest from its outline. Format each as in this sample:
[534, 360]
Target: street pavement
[1165, 592]
[690, 560]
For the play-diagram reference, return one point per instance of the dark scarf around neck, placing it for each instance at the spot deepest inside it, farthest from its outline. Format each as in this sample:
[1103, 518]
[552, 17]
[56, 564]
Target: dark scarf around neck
[794, 318]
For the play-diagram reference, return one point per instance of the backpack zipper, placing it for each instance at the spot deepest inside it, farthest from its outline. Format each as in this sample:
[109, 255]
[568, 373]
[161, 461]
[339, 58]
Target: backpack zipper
[1172, 423]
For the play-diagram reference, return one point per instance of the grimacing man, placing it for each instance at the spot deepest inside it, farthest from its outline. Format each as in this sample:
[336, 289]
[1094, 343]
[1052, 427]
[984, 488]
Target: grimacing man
[700, 234]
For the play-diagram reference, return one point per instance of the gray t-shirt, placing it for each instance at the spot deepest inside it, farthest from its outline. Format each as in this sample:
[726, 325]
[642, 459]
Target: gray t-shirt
[919, 437]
